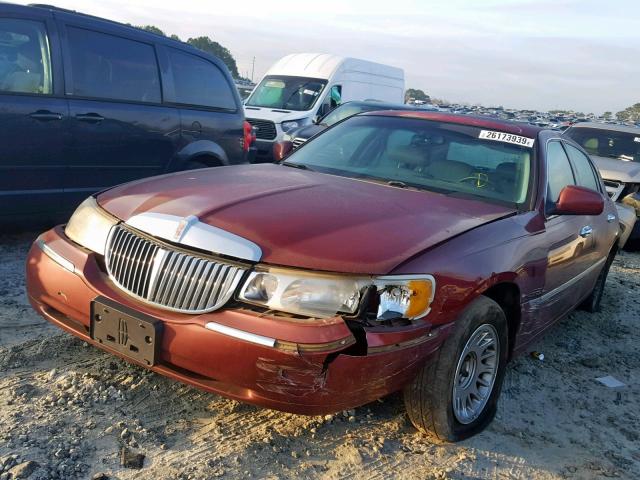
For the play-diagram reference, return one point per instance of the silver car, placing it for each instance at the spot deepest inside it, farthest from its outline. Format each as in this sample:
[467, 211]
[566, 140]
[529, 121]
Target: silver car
[615, 150]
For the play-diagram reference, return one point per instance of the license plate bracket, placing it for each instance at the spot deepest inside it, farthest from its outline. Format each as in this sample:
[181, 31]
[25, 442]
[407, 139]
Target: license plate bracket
[133, 334]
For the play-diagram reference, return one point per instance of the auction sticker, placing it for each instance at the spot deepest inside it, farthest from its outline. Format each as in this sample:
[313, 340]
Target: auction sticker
[506, 138]
[636, 139]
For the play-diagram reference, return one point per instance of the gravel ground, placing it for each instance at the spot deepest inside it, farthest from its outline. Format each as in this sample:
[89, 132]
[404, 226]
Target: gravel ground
[68, 410]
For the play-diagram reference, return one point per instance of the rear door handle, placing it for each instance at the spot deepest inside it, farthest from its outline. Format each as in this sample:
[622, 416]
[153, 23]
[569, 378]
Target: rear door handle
[586, 231]
[45, 115]
[611, 217]
[89, 117]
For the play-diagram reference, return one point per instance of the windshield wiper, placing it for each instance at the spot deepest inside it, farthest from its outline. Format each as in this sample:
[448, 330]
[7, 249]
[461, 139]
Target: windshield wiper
[397, 183]
[300, 166]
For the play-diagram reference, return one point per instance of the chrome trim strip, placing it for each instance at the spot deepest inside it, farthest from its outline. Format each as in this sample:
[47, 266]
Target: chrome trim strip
[241, 334]
[191, 232]
[544, 298]
[55, 256]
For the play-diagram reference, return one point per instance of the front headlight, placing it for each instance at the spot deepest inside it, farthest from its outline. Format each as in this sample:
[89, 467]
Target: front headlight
[324, 295]
[290, 125]
[89, 226]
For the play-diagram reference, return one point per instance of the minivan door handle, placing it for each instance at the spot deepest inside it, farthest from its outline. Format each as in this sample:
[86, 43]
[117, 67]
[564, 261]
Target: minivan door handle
[45, 115]
[89, 117]
[611, 217]
[586, 231]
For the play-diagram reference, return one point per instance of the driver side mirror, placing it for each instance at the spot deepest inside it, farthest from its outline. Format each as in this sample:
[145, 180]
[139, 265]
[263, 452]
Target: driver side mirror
[575, 200]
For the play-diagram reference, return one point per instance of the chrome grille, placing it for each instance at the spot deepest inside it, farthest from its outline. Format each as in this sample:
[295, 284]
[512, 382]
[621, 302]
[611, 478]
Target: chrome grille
[298, 141]
[265, 129]
[175, 280]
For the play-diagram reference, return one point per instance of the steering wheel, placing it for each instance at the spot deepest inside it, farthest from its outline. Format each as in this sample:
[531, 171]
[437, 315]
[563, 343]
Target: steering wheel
[479, 179]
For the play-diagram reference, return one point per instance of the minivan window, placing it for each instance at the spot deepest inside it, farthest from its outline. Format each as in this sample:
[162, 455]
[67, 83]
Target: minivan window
[25, 62]
[607, 143]
[107, 66]
[199, 82]
[585, 175]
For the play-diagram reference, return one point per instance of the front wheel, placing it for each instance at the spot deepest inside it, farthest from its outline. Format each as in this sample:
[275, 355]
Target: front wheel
[455, 395]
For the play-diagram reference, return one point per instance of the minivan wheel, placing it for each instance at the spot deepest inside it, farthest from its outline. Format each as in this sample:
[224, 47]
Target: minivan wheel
[455, 395]
[592, 302]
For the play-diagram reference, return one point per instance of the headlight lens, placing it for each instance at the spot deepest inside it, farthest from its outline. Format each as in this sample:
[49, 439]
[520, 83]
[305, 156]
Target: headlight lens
[290, 125]
[89, 226]
[325, 295]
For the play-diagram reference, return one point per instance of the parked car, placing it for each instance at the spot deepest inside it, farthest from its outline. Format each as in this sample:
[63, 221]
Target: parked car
[87, 103]
[303, 87]
[396, 250]
[615, 149]
[301, 134]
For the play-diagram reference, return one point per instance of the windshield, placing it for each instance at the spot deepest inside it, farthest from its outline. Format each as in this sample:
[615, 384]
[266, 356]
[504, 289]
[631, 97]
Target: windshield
[287, 93]
[429, 155]
[608, 143]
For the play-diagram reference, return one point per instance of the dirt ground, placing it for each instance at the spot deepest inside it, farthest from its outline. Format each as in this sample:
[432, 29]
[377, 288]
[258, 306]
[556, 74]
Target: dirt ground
[67, 410]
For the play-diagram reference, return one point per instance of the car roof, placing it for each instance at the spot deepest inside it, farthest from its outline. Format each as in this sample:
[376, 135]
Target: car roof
[516, 128]
[608, 126]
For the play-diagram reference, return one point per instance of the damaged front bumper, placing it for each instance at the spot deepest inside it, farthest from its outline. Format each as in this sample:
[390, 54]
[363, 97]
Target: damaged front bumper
[299, 366]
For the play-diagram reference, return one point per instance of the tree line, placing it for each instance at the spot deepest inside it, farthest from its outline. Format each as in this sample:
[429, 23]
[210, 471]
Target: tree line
[205, 44]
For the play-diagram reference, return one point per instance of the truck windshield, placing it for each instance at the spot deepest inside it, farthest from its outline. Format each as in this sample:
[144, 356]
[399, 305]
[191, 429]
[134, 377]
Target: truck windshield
[608, 143]
[448, 158]
[287, 93]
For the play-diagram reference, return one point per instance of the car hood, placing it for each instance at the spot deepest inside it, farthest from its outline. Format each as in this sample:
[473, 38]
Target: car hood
[614, 169]
[307, 219]
[307, 131]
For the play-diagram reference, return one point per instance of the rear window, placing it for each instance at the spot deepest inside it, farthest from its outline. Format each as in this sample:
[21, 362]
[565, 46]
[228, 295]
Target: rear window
[106, 66]
[199, 82]
[607, 143]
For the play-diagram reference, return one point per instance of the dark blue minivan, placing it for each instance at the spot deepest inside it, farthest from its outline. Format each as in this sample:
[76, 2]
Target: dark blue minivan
[87, 103]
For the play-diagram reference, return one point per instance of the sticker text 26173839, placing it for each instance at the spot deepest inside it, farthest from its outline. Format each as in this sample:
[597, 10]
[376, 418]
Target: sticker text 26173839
[506, 138]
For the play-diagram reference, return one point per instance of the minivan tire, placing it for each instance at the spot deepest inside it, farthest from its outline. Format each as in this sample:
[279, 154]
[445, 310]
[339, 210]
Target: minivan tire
[429, 399]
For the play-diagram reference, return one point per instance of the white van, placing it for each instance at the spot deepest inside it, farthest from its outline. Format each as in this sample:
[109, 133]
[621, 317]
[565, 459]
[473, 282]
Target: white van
[302, 87]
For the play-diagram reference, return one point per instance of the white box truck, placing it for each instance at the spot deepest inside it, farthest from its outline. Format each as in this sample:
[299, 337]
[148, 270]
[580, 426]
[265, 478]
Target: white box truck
[302, 87]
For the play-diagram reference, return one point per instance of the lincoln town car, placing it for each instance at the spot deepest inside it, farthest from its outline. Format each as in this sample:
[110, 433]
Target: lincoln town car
[396, 251]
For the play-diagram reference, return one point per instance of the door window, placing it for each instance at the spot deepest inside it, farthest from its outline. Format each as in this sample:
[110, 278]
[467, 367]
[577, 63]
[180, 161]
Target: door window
[25, 62]
[199, 82]
[559, 173]
[585, 175]
[106, 66]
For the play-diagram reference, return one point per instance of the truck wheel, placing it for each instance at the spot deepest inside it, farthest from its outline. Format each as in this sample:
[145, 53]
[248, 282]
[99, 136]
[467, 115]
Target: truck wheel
[455, 395]
[592, 302]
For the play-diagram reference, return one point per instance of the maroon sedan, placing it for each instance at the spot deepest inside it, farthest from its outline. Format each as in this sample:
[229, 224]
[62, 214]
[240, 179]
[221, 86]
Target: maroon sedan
[396, 250]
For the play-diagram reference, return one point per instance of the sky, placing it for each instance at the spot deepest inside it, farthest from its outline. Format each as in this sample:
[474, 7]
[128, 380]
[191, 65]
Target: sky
[546, 54]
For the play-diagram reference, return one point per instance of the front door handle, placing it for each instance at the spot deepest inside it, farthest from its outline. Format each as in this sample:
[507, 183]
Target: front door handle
[586, 231]
[89, 117]
[611, 217]
[45, 115]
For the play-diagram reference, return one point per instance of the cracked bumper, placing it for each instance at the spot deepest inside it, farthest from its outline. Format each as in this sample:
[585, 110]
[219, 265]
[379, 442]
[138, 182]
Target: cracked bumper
[307, 369]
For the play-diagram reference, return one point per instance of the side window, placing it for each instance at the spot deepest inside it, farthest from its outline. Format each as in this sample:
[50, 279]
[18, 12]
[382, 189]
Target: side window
[25, 62]
[106, 66]
[585, 175]
[199, 82]
[559, 172]
[332, 100]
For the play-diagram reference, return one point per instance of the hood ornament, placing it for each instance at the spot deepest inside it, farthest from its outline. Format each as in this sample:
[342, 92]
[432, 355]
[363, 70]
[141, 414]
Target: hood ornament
[182, 227]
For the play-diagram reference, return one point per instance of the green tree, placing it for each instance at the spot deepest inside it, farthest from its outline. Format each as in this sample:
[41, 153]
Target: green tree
[416, 94]
[630, 114]
[207, 45]
[152, 29]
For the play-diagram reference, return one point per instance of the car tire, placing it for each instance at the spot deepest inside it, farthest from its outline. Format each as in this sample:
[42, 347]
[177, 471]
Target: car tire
[430, 398]
[592, 302]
